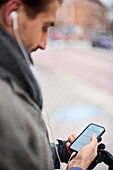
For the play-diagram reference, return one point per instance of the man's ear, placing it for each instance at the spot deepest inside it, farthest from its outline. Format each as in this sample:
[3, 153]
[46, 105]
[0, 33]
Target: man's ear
[12, 5]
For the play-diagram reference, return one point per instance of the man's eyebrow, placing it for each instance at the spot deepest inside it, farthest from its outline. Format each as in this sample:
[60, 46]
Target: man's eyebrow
[50, 24]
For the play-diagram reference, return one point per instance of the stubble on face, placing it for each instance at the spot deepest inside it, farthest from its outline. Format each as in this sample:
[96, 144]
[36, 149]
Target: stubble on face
[31, 30]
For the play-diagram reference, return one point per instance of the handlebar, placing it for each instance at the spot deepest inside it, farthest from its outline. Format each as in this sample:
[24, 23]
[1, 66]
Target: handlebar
[102, 156]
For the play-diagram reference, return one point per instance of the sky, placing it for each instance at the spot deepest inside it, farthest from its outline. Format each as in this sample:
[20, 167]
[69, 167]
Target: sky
[107, 2]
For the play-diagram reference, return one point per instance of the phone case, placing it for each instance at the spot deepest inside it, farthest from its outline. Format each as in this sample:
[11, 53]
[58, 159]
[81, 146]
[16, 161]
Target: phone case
[98, 137]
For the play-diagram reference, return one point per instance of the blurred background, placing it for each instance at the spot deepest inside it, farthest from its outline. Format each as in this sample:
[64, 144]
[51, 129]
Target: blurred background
[76, 70]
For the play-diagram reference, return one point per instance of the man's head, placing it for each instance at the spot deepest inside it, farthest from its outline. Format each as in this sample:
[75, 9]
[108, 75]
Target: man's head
[34, 19]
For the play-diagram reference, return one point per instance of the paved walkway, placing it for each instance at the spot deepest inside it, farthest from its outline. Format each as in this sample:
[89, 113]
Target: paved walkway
[71, 101]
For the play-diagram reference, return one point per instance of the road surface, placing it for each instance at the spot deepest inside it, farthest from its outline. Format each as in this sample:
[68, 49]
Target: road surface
[77, 86]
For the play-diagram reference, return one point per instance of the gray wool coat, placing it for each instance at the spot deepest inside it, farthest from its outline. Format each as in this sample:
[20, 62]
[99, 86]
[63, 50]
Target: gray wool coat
[24, 142]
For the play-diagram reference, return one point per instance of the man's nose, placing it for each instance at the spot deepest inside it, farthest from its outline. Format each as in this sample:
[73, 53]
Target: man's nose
[42, 45]
[43, 42]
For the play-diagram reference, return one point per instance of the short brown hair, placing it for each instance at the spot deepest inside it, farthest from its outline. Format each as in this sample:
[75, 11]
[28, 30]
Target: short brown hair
[33, 7]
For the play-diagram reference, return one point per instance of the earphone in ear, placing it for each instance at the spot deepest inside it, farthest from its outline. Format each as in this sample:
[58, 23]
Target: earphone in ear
[14, 15]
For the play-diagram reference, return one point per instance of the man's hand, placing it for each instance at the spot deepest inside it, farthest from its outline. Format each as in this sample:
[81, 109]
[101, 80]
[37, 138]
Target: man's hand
[85, 156]
[70, 140]
[63, 148]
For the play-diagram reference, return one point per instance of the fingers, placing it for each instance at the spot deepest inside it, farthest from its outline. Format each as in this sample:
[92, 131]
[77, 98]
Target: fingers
[94, 139]
[93, 136]
[93, 144]
[72, 138]
[67, 144]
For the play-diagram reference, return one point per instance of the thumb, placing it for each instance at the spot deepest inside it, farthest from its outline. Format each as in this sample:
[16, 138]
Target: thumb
[94, 139]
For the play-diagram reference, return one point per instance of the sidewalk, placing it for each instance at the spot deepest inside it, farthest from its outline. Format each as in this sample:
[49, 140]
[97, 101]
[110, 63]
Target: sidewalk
[72, 104]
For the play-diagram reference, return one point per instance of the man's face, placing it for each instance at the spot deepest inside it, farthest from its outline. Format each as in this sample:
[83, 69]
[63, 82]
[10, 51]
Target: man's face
[34, 32]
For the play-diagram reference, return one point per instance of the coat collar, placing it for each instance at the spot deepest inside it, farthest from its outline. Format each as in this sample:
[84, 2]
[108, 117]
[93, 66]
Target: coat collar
[14, 67]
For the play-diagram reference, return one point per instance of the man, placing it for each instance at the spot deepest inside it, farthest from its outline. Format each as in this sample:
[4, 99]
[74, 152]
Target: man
[24, 143]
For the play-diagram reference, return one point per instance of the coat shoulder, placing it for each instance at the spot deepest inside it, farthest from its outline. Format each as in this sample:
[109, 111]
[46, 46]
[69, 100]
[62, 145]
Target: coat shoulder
[7, 95]
[11, 105]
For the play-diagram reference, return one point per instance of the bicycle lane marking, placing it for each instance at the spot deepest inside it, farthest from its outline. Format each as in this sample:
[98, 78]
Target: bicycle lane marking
[76, 113]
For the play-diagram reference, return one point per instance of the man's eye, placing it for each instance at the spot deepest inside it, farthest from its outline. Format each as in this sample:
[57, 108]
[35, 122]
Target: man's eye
[45, 29]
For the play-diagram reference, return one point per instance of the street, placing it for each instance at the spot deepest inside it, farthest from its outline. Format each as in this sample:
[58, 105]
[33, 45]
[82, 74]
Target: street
[77, 87]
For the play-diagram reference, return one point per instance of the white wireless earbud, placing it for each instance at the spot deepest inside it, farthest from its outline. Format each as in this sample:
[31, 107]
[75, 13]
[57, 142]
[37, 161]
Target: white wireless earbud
[14, 15]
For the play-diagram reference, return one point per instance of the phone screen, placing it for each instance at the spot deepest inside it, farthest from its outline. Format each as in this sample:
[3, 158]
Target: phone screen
[85, 137]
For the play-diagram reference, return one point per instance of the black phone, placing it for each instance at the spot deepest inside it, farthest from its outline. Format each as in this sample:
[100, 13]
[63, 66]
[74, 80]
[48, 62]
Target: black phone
[85, 137]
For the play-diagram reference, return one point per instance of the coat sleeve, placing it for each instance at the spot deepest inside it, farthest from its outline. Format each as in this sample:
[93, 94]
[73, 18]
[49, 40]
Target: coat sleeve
[23, 143]
[17, 145]
[54, 155]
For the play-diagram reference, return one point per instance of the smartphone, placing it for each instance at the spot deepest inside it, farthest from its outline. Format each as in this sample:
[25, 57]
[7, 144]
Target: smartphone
[85, 137]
